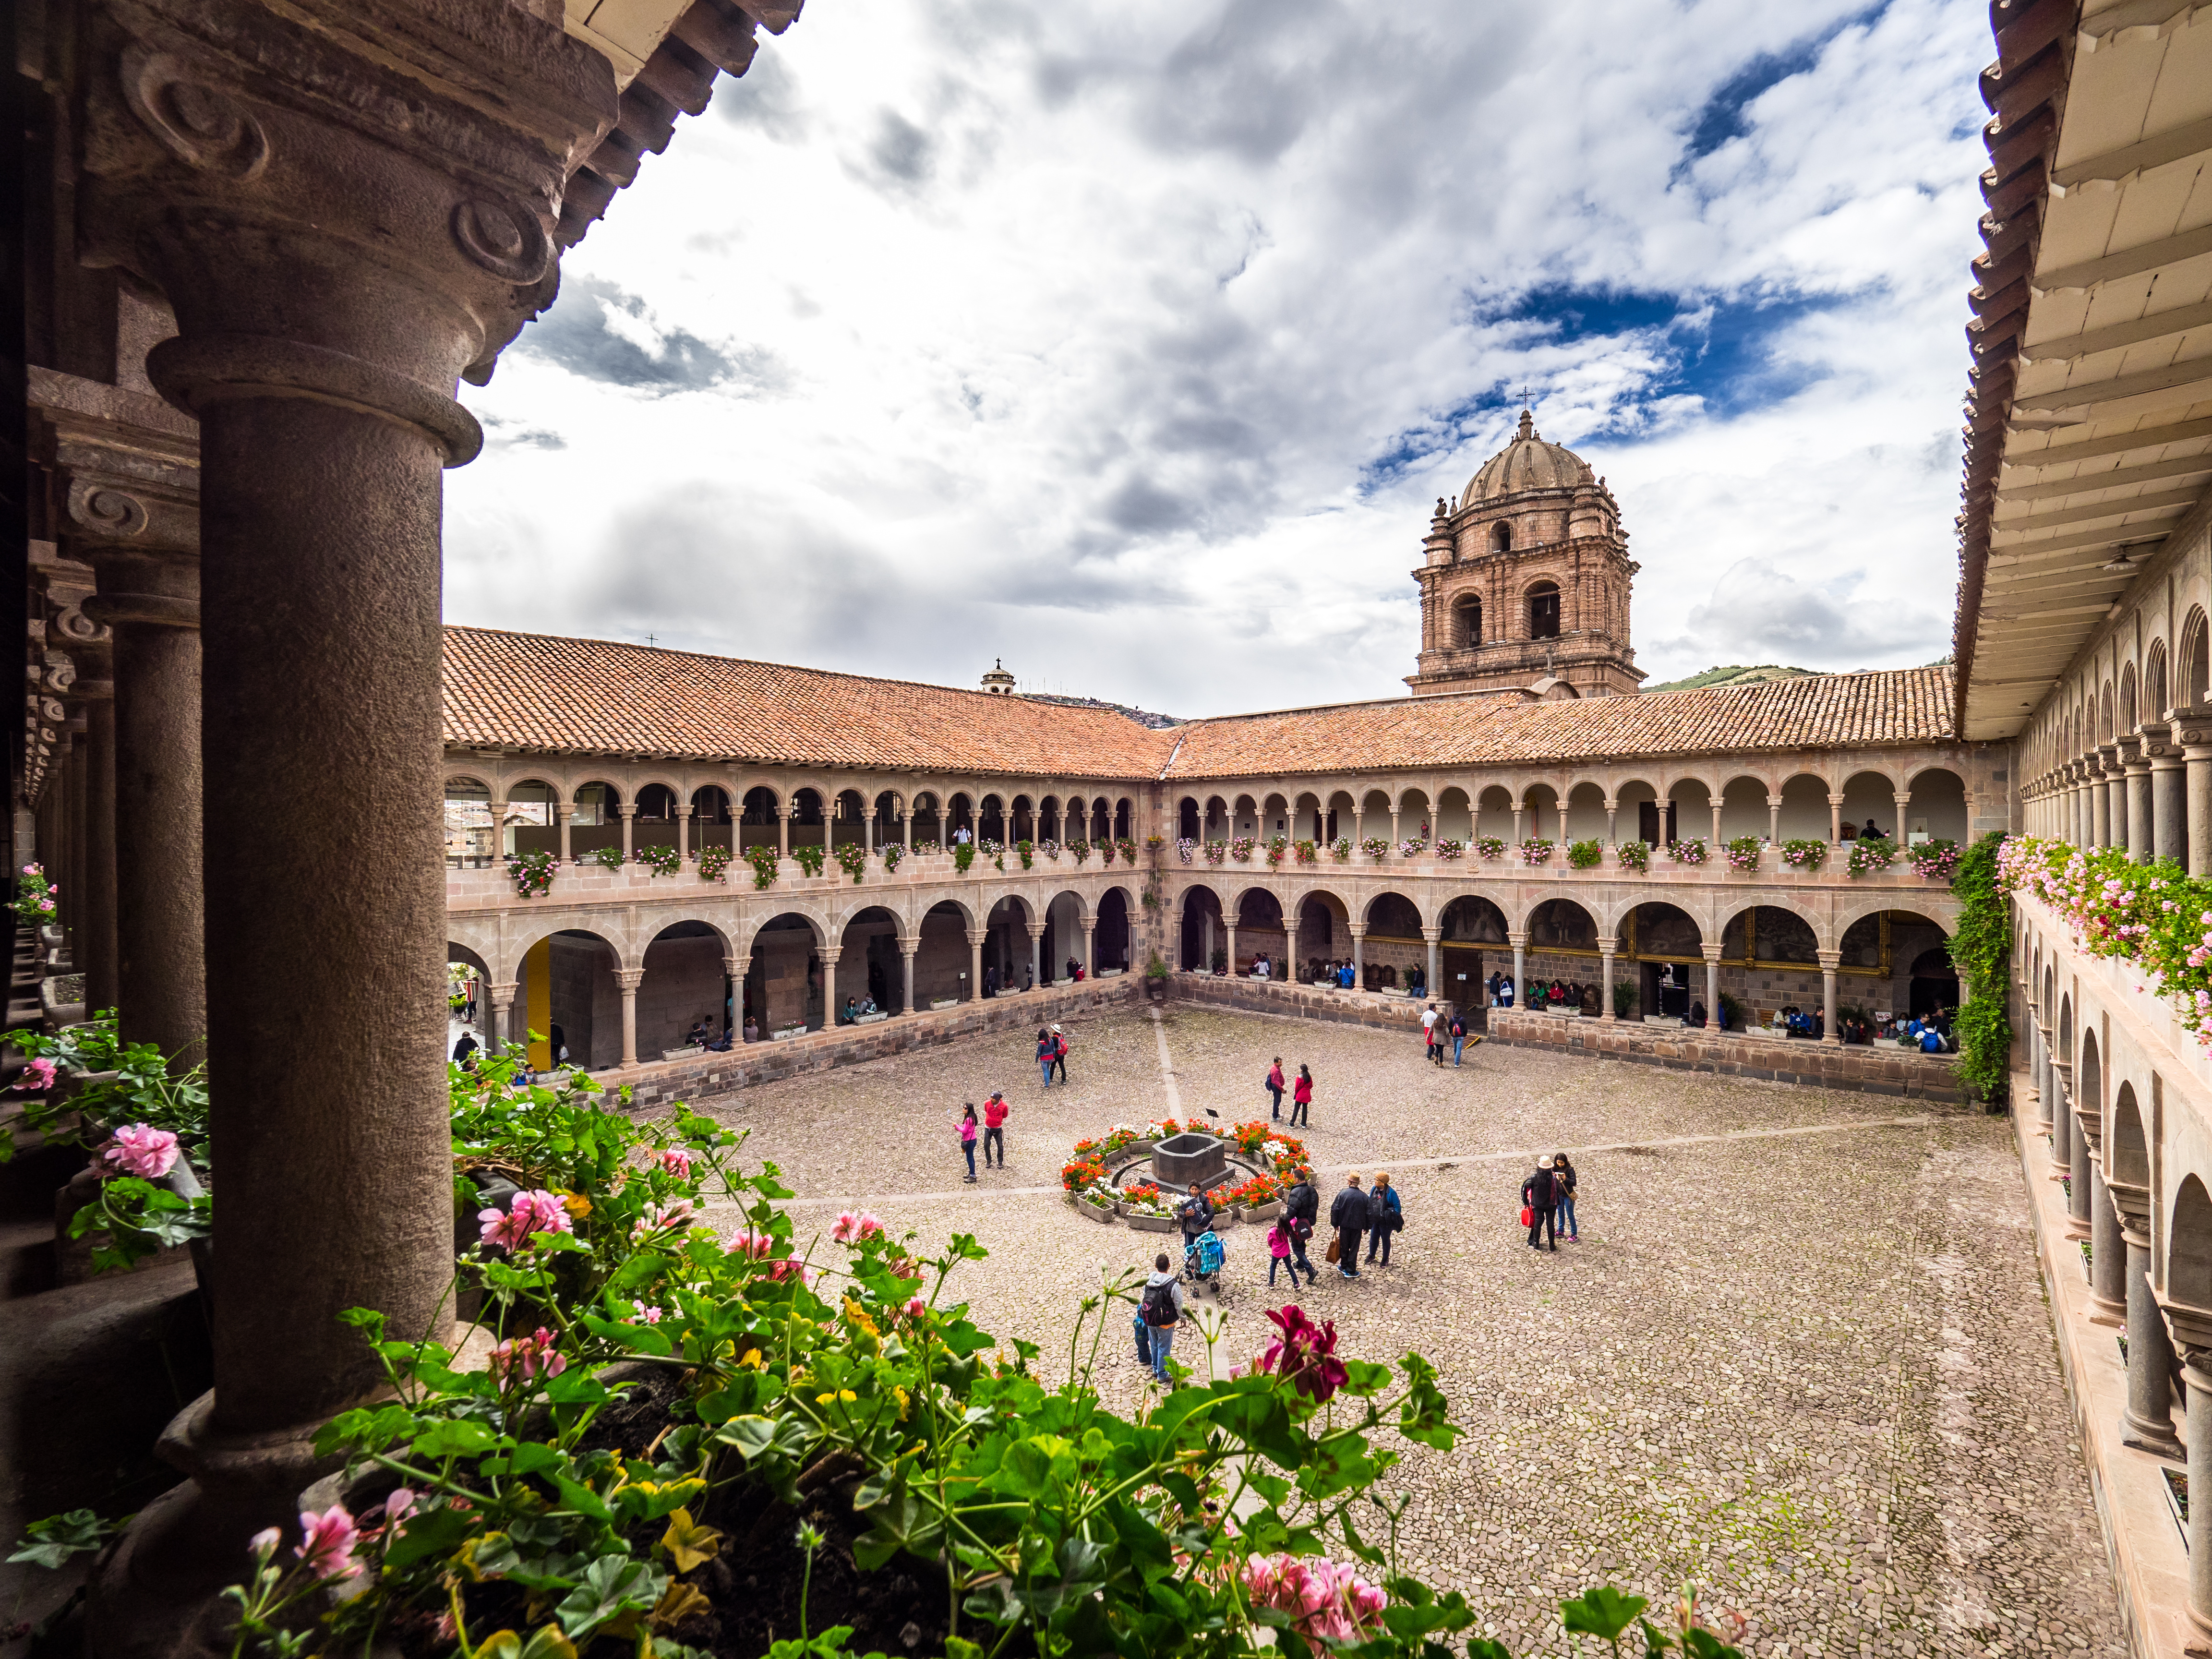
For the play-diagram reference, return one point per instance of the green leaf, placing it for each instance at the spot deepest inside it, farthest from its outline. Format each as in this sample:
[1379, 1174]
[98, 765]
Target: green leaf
[613, 1585]
[1604, 1612]
[427, 1534]
[454, 1437]
[50, 1542]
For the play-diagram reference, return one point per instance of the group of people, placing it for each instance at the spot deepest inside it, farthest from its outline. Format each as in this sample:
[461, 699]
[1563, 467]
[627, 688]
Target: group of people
[990, 1129]
[1052, 1054]
[1548, 1202]
[1556, 994]
[855, 1009]
[1438, 1029]
[1301, 1093]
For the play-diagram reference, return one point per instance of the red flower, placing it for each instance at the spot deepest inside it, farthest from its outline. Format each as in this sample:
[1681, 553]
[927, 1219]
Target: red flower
[1306, 1355]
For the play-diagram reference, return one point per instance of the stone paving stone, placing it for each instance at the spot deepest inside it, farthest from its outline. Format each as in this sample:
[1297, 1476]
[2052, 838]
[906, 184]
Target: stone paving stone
[1811, 1373]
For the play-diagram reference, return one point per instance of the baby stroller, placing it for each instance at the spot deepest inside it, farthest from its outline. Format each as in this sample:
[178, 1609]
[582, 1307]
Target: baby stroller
[1202, 1259]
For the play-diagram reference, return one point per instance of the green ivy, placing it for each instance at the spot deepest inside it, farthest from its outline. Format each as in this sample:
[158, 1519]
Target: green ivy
[1980, 951]
[963, 855]
[610, 858]
[810, 856]
[712, 861]
[763, 860]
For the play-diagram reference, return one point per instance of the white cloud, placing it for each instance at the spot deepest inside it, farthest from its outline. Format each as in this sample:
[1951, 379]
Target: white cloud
[1132, 342]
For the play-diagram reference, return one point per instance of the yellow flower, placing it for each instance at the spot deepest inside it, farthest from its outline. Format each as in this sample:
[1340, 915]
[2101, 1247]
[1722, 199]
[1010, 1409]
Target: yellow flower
[577, 1205]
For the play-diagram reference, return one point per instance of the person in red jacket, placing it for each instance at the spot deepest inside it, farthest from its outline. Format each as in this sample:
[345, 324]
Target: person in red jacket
[994, 1127]
[1275, 1086]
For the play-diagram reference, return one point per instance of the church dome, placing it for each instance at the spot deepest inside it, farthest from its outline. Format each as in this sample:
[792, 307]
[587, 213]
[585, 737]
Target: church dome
[1528, 463]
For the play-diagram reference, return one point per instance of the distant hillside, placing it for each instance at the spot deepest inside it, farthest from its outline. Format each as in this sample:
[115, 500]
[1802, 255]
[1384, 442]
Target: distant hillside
[1143, 717]
[1737, 674]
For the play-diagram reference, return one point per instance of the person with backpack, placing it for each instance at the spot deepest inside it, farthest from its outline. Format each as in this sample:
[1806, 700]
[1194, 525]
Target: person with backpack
[1385, 1216]
[1429, 1035]
[967, 1139]
[1045, 1054]
[1539, 1198]
[1301, 1209]
[1161, 1309]
[1196, 1215]
[1349, 1215]
[1301, 1098]
[1274, 1087]
[994, 1127]
[1279, 1243]
[1458, 1034]
[1059, 1057]
[1563, 1181]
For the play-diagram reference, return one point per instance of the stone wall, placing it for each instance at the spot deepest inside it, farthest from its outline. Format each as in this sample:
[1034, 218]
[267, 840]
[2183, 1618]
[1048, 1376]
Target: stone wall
[1264, 996]
[1765, 1058]
[659, 1082]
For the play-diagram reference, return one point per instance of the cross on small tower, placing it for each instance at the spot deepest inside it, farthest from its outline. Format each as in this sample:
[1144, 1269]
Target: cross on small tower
[652, 640]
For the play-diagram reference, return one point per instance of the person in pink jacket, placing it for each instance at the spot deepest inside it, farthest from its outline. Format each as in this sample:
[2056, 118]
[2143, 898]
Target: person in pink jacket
[968, 1137]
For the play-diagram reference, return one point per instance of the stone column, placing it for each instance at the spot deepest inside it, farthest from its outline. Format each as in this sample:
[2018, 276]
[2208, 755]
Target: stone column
[976, 936]
[1434, 938]
[628, 811]
[2141, 837]
[1517, 810]
[783, 830]
[2101, 811]
[826, 956]
[2169, 803]
[2108, 1253]
[683, 833]
[1037, 976]
[1360, 956]
[1774, 819]
[907, 948]
[1712, 954]
[1519, 940]
[2077, 1175]
[2195, 736]
[1396, 835]
[733, 974]
[495, 1028]
[868, 829]
[2147, 1423]
[1829, 961]
[829, 831]
[1903, 799]
[1230, 927]
[344, 214]
[1612, 812]
[1606, 946]
[2116, 795]
[1835, 819]
[2039, 1068]
[628, 979]
[1358, 819]
[2190, 1329]
[1716, 829]
[567, 810]
[2062, 1118]
[1290, 946]
[96, 930]
[499, 813]
[906, 827]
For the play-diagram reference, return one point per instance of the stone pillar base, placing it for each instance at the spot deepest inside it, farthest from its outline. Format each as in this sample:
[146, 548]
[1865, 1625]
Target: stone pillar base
[2165, 1445]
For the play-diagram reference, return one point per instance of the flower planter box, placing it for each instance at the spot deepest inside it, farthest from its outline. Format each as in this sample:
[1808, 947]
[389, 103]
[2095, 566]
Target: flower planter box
[1151, 1224]
[787, 1033]
[1224, 1216]
[1109, 973]
[2175, 1486]
[1267, 1212]
[871, 1019]
[684, 1052]
[935, 1003]
[1157, 989]
[1095, 1210]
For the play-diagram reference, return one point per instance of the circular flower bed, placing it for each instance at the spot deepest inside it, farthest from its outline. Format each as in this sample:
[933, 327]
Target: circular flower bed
[1264, 1164]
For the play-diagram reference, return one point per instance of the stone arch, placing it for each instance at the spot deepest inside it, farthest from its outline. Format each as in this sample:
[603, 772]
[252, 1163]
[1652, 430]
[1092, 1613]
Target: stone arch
[1560, 923]
[869, 969]
[782, 981]
[2126, 715]
[1494, 812]
[2155, 698]
[1501, 536]
[1540, 614]
[2090, 1079]
[471, 838]
[1938, 800]
[1743, 807]
[1383, 909]
[1203, 928]
[1473, 919]
[1114, 940]
[1467, 620]
[2065, 1029]
[1870, 796]
[2127, 1151]
[1190, 821]
[1583, 818]
[686, 982]
[2189, 1246]
[1777, 934]
[1689, 799]
[1805, 814]
[1633, 822]
[2195, 678]
[1850, 915]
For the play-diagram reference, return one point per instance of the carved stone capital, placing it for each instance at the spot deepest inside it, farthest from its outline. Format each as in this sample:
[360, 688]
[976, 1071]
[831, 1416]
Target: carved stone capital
[627, 980]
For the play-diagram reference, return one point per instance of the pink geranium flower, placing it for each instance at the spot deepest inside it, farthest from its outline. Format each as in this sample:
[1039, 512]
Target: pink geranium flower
[1305, 1355]
[677, 1160]
[37, 1076]
[1326, 1602]
[851, 1229]
[141, 1151]
[327, 1547]
[662, 1218]
[532, 1357]
[532, 1212]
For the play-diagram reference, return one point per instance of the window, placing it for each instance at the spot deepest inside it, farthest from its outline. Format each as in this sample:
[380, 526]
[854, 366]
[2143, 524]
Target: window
[1544, 611]
[1501, 539]
[1466, 622]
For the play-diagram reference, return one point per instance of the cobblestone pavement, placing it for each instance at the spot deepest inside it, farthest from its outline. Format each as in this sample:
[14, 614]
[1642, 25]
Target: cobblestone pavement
[1812, 1372]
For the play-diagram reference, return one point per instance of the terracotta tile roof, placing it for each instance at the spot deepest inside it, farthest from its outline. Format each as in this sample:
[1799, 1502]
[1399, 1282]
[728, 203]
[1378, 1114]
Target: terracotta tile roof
[1818, 711]
[548, 693]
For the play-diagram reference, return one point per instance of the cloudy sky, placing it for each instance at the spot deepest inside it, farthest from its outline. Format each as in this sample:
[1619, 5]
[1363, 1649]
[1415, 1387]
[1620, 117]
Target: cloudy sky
[1131, 342]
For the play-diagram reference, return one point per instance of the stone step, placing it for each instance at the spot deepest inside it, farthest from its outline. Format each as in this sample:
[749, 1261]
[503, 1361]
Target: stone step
[27, 1259]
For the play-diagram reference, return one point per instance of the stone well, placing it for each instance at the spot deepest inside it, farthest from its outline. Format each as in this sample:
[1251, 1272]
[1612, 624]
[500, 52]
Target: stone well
[1181, 1159]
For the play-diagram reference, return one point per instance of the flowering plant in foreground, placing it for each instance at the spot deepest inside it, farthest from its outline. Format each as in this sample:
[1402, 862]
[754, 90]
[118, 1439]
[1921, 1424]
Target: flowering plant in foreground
[660, 857]
[1449, 850]
[713, 861]
[1803, 854]
[763, 860]
[1240, 848]
[1184, 847]
[34, 903]
[1375, 847]
[1935, 860]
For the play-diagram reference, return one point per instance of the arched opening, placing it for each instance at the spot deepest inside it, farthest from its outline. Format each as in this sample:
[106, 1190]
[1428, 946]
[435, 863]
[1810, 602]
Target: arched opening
[2128, 717]
[885, 811]
[598, 821]
[1934, 986]
[1936, 808]
[1501, 537]
[783, 979]
[757, 818]
[959, 815]
[1466, 622]
[710, 817]
[991, 820]
[1124, 817]
[1585, 814]
[2188, 1247]
[1870, 799]
[1007, 951]
[566, 1001]
[870, 977]
[1112, 937]
[941, 959]
[1561, 959]
[1639, 814]
[533, 818]
[1189, 825]
[2196, 660]
[928, 827]
[1260, 933]
[468, 1000]
[1743, 808]
[1543, 611]
[469, 842]
[656, 801]
[2154, 703]
[1471, 927]
[1324, 935]
[848, 824]
[686, 996]
[2127, 1154]
[1063, 950]
[1668, 947]
[1395, 955]
[1805, 809]
[1205, 939]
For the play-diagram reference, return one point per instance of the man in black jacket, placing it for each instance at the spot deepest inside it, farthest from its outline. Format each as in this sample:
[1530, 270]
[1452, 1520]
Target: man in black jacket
[1349, 1215]
[1302, 1208]
[1541, 1193]
[1196, 1214]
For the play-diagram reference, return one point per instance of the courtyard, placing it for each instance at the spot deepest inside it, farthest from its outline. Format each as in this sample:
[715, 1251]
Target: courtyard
[1801, 1358]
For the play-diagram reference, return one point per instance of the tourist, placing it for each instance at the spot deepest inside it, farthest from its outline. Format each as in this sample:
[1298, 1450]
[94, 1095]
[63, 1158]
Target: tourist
[1495, 976]
[1258, 967]
[991, 979]
[994, 1127]
[1274, 1087]
[1160, 1308]
[1385, 1216]
[1058, 1056]
[960, 836]
[1871, 833]
[1349, 1215]
[1196, 1215]
[852, 1014]
[1044, 1054]
[1074, 968]
[1563, 1187]
[1347, 977]
[1302, 1209]
[967, 1139]
[1279, 1251]
[1931, 1041]
[1540, 1197]
[464, 1052]
[753, 1029]
[1302, 1099]
[1505, 991]
[1429, 1035]
[1458, 1034]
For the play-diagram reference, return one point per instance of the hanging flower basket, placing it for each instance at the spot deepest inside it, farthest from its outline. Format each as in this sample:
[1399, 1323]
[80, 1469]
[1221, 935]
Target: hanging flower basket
[1082, 851]
[1935, 860]
[1215, 851]
[1026, 850]
[1804, 854]
[1878, 853]
[1690, 851]
[810, 857]
[1535, 852]
[763, 860]
[607, 857]
[853, 859]
[1276, 850]
[1742, 853]
[1489, 849]
[1585, 855]
[1340, 849]
[1450, 850]
[1240, 848]
[533, 873]
[1412, 847]
[661, 861]
[893, 853]
[1635, 855]
[712, 861]
[1185, 848]
[1375, 848]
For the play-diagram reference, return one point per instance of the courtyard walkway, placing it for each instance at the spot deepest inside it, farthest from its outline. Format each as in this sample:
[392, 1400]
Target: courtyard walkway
[1800, 1356]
